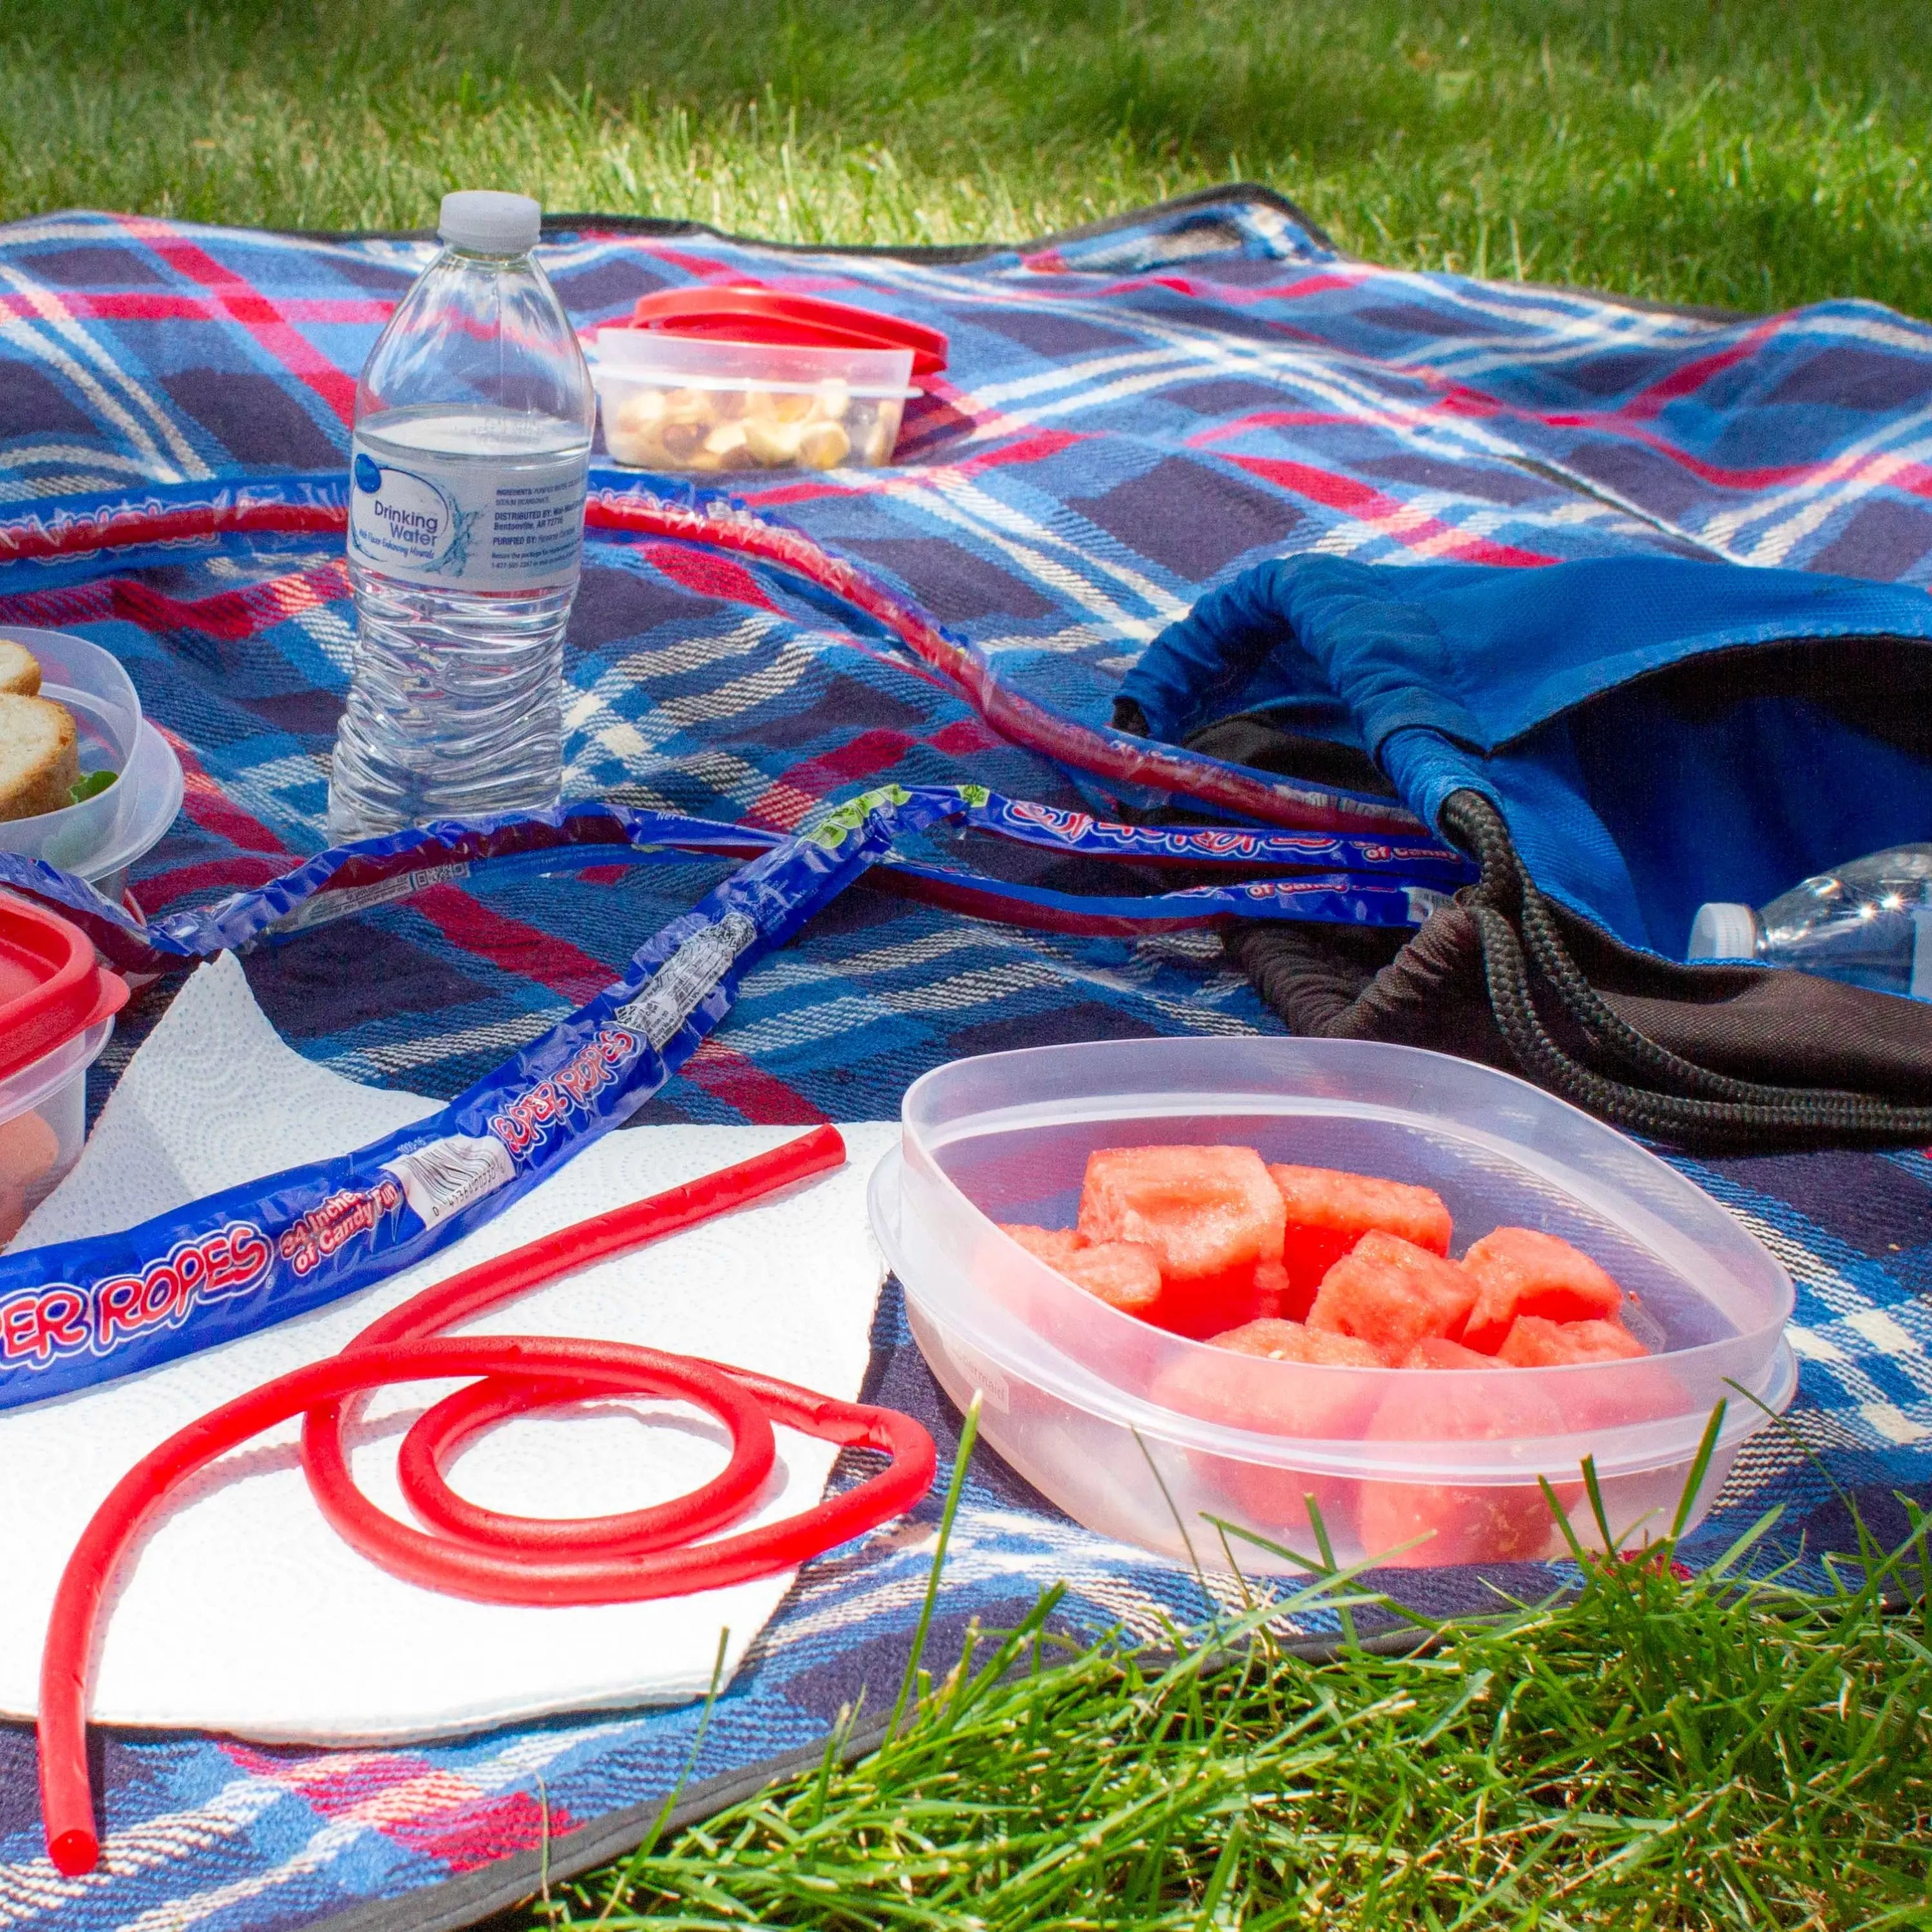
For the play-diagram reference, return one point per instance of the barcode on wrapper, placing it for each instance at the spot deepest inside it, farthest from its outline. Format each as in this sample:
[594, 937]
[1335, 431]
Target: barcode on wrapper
[684, 979]
[345, 901]
[1423, 904]
[444, 1177]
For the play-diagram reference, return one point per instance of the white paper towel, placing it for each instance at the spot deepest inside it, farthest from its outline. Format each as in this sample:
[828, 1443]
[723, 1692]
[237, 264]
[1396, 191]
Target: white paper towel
[245, 1612]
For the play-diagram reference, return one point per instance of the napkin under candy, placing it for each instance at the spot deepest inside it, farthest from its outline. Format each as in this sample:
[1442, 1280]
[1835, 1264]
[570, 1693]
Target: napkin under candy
[245, 1612]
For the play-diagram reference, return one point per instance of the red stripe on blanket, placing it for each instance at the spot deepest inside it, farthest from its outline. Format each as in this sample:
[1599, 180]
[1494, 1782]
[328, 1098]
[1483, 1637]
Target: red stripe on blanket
[526, 950]
[1373, 507]
[411, 1801]
[762, 1098]
[148, 307]
[227, 615]
[213, 810]
[256, 313]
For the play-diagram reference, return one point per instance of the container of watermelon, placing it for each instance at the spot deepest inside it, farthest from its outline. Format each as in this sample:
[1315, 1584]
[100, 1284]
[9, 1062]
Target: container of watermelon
[1095, 1392]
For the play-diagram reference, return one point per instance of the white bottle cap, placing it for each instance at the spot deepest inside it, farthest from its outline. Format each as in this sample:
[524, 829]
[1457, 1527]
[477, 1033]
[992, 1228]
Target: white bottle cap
[491, 223]
[1724, 930]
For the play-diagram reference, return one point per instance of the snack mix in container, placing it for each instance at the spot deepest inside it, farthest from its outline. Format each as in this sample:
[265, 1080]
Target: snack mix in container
[739, 380]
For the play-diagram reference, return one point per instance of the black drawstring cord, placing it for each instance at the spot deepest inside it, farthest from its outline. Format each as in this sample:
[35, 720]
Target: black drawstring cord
[1691, 1105]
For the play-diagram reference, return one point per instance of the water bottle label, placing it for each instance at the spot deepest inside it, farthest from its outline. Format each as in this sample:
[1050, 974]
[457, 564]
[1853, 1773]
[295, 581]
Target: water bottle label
[437, 520]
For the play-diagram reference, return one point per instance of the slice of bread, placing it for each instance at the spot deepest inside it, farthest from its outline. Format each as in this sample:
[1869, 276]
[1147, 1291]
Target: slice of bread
[20, 669]
[39, 756]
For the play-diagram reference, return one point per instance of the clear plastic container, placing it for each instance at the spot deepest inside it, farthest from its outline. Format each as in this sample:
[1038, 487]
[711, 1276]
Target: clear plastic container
[685, 402]
[102, 836]
[1143, 1435]
[43, 1123]
[57, 1008]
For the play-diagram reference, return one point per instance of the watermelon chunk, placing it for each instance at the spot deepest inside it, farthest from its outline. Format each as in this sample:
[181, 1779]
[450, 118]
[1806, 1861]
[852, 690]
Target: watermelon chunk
[1207, 1210]
[1330, 1209]
[1485, 1522]
[1279, 1341]
[1432, 1351]
[1211, 1213]
[1392, 1294]
[1533, 1342]
[1614, 1396]
[1519, 1271]
[1124, 1274]
[1238, 1381]
[1052, 1245]
[1250, 1394]
[28, 1149]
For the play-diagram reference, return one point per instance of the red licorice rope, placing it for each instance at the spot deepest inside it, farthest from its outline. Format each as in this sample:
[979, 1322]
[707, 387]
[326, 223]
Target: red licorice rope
[481, 1553]
[1107, 754]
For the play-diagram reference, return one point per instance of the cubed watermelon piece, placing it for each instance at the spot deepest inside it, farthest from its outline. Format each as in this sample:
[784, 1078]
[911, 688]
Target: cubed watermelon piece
[29, 1148]
[1499, 1522]
[1519, 1271]
[1622, 1383]
[1212, 1215]
[1432, 1351]
[1533, 1342]
[1279, 1341]
[1330, 1209]
[1240, 1381]
[1246, 1396]
[1126, 1275]
[1392, 1294]
[1208, 1211]
[1052, 1245]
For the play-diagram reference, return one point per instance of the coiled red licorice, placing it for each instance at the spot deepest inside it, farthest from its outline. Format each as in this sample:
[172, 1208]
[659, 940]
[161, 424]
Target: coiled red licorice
[468, 1551]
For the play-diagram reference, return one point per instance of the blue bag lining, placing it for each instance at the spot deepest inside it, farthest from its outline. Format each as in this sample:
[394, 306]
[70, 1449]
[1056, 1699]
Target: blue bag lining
[1657, 732]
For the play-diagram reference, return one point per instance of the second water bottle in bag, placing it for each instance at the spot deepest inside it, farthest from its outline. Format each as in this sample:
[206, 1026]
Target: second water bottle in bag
[1869, 922]
[473, 421]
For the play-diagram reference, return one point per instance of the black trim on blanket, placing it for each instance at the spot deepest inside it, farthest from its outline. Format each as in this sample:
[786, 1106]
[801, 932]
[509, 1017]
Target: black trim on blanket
[940, 255]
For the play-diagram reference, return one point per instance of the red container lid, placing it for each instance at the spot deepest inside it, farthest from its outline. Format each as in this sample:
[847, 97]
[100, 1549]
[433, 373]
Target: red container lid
[51, 987]
[734, 314]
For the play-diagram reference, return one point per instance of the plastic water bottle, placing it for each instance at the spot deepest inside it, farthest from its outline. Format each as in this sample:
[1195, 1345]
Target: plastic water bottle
[473, 421]
[1869, 922]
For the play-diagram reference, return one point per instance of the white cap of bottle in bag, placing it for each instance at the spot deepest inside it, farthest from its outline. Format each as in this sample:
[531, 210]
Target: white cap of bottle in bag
[1724, 930]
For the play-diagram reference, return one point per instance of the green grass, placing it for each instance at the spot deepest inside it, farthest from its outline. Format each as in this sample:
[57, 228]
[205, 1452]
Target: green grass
[1747, 152]
[1658, 1752]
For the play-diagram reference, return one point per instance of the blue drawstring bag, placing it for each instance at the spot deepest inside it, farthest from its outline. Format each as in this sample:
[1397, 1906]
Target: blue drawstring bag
[1616, 742]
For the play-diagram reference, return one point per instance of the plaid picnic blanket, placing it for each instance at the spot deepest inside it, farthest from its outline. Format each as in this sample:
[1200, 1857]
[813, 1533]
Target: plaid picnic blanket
[1132, 413]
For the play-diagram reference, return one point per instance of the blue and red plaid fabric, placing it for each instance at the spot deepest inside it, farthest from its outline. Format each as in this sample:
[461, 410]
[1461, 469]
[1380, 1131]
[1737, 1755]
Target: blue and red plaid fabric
[1130, 414]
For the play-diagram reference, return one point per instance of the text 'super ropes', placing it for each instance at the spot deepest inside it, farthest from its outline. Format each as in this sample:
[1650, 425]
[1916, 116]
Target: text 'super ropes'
[479, 1553]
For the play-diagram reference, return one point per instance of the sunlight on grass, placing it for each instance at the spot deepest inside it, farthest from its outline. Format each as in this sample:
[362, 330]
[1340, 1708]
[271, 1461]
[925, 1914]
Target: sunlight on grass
[1657, 1751]
[1739, 153]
